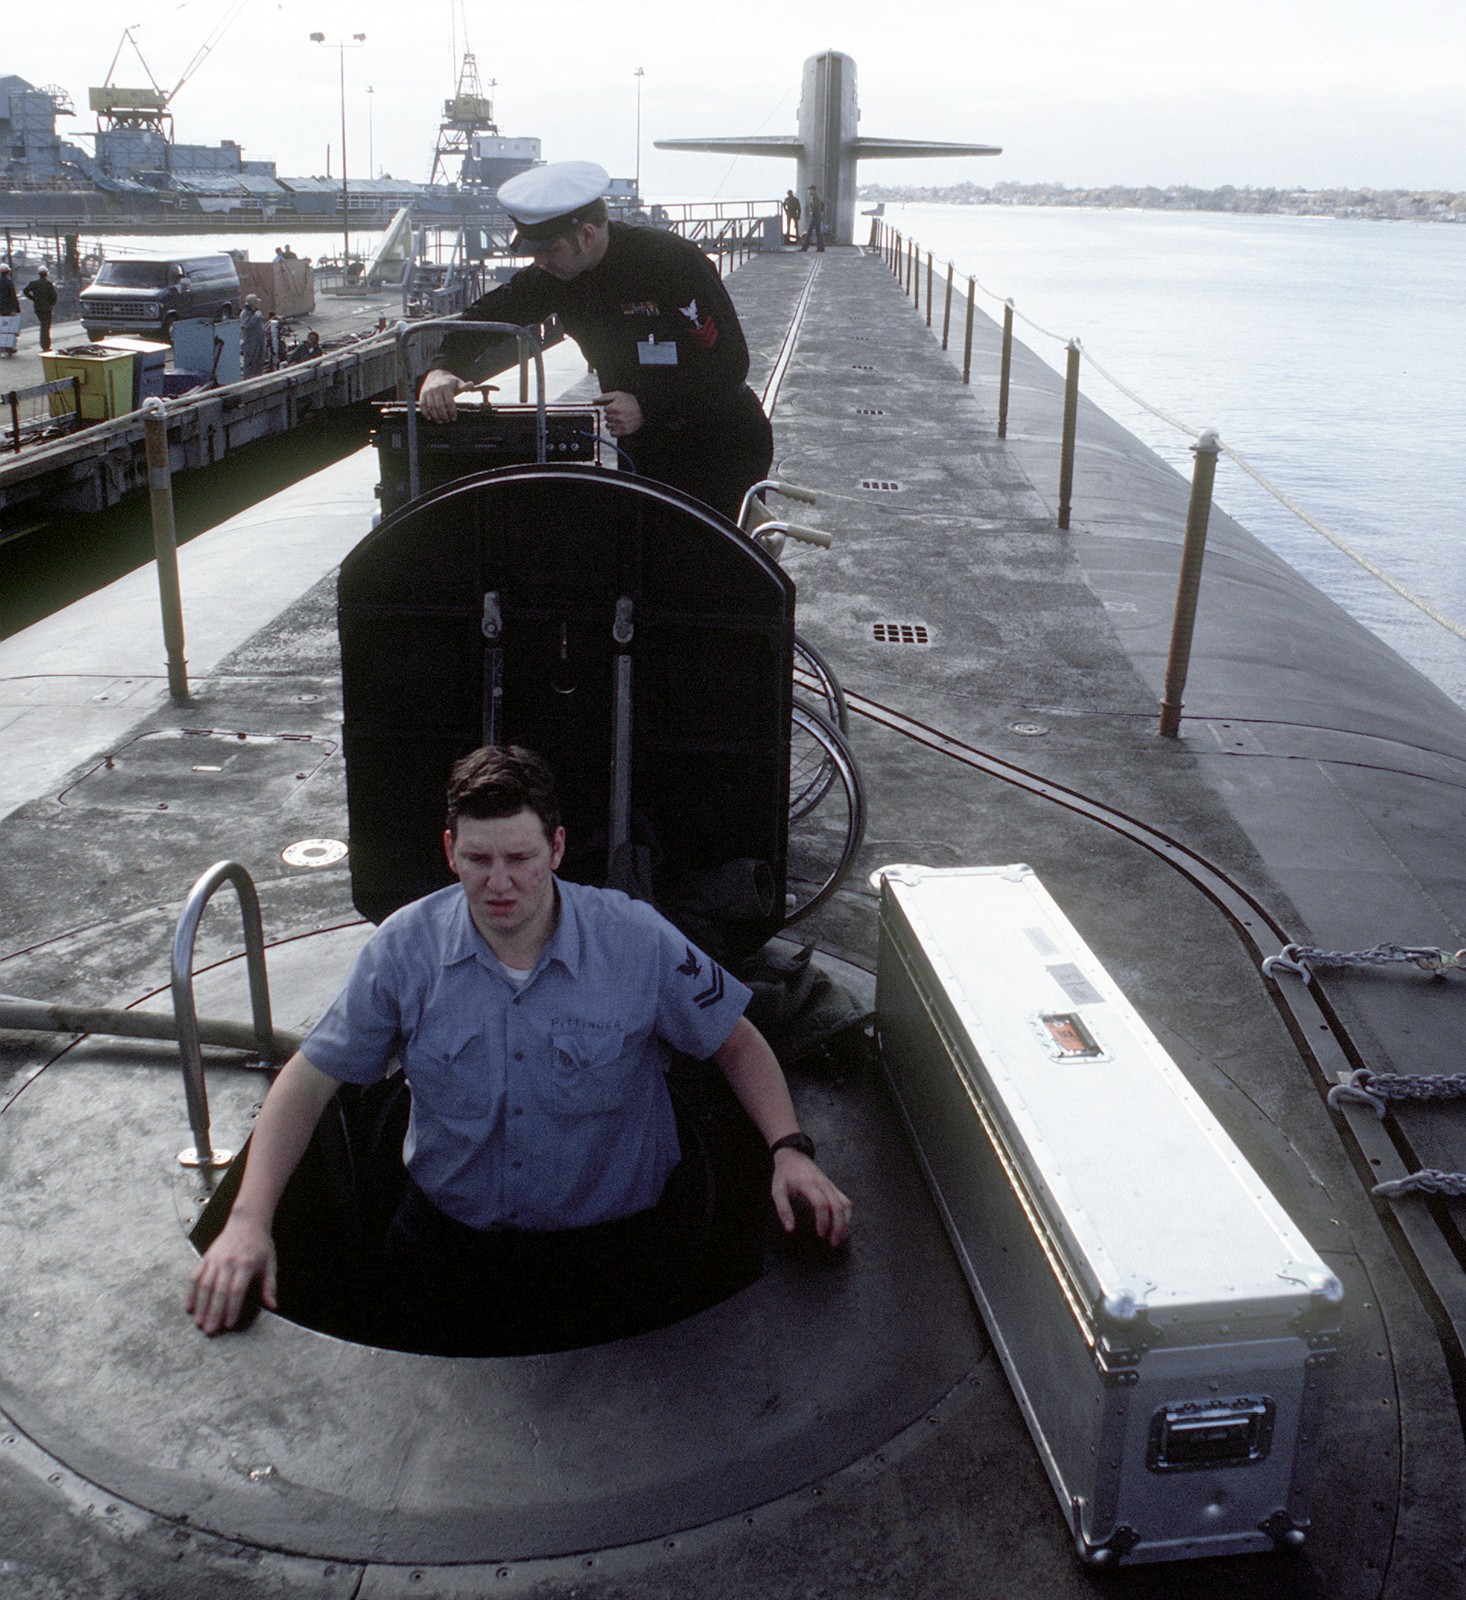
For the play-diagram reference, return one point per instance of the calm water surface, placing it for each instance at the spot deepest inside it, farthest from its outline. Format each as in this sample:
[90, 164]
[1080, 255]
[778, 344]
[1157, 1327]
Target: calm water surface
[1327, 353]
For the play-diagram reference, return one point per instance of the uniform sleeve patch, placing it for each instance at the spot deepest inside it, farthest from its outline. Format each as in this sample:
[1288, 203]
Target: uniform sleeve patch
[711, 995]
[704, 329]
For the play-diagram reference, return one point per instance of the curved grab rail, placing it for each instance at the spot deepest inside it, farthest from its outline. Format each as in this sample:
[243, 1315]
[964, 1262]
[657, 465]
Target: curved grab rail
[753, 510]
[202, 1153]
[406, 335]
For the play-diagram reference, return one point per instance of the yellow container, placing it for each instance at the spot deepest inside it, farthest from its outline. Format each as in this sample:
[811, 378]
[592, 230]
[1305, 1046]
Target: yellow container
[106, 381]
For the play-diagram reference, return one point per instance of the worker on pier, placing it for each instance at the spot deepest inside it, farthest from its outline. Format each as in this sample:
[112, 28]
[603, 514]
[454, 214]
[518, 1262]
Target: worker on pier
[251, 338]
[654, 320]
[9, 313]
[535, 1021]
[41, 293]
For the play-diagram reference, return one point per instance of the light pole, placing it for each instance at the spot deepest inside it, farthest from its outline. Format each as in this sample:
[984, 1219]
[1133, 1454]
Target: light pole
[640, 74]
[371, 135]
[341, 46]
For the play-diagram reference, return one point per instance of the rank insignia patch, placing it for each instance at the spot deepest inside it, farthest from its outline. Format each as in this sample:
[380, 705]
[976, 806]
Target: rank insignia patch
[704, 329]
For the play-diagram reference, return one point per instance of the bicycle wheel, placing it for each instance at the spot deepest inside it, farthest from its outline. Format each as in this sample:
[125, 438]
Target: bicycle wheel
[823, 837]
[815, 677]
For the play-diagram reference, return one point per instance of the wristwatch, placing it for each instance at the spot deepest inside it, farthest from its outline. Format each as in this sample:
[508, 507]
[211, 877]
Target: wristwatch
[794, 1141]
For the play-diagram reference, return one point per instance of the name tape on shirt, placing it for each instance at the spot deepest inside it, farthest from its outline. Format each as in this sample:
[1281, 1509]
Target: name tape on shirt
[651, 354]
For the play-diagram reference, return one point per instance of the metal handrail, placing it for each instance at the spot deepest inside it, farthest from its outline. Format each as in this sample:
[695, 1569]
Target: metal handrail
[406, 334]
[201, 1153]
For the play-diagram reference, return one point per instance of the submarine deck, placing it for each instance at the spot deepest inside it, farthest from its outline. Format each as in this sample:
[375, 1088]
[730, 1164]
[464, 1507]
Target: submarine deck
[1316, 773]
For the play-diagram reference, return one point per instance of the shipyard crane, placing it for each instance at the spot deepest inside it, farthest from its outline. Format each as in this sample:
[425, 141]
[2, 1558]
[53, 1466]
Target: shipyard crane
[470, 111]
[147, 110]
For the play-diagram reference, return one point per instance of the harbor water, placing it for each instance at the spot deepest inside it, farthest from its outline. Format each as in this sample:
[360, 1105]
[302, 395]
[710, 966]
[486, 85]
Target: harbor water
[1323, 351]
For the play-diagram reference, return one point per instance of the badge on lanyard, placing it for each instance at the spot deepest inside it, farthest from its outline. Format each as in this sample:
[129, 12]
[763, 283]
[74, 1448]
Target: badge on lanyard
[651, 354]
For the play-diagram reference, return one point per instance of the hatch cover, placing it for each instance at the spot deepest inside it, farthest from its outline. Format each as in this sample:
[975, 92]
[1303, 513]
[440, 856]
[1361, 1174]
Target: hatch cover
[183, 769]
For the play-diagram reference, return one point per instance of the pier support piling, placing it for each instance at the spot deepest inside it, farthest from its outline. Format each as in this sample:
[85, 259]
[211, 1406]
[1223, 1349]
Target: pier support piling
[1198, 514]
[165, 544]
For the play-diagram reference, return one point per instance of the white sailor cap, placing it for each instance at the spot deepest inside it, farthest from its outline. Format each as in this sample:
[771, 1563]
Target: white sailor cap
[548, 200]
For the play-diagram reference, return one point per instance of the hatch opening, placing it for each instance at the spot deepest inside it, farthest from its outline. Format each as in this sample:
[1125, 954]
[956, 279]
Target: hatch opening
[332, 1222]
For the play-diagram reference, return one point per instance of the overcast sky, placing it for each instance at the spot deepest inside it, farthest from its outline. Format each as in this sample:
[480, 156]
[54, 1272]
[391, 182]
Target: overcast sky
[1306, 93]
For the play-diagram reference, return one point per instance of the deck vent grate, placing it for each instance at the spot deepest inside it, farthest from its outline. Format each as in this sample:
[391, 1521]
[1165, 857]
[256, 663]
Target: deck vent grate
[900, 633]
[881, 485]
[869, 411]
[862, 366]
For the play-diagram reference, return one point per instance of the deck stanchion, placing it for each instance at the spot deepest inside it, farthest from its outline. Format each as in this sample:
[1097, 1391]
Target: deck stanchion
[910, 259]
[165, 542]
[947, 308]
[967, 342]
[1071, 419]
[1007, 369]
[928, 288]
[1198, 513]
[916, 277]
[14, 401]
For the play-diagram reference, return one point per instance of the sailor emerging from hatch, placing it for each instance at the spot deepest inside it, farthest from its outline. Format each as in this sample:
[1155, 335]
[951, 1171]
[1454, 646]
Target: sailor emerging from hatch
[535, 1021]
[652, 317]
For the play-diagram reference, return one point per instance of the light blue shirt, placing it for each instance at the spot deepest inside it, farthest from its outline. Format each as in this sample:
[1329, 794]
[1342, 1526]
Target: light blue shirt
[542, 1105]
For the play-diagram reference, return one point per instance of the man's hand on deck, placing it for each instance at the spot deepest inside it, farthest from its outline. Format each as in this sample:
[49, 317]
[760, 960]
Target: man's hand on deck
[435, 397]
[243, 1254]
[623, 412]
[796, 1176]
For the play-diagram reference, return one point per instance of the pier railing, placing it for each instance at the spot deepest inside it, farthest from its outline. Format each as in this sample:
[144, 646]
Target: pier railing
[911, 266]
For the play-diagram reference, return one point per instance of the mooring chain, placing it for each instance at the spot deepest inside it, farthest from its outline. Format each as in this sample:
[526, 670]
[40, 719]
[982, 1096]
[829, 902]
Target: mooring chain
[1426, 1181]
[1302, 958]
[1376, 1090]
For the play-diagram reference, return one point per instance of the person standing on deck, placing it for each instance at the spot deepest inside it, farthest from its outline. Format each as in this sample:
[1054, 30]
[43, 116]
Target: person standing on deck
[816, 221]
[791, 217]
[41, 293]
[652, 317]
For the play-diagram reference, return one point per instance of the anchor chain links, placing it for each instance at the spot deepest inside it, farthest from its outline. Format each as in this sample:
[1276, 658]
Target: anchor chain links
[1376, 1090]
[1373, 1089]
[1302, 958]
[1426, 1181]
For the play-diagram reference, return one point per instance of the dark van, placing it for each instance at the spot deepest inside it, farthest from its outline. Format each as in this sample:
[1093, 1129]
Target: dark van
[148, 297]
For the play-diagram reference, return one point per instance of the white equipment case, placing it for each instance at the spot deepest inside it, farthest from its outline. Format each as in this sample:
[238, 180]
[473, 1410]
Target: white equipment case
[1165, 1327]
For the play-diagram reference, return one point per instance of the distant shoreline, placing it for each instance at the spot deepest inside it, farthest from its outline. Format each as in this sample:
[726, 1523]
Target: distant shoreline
[1380, 205]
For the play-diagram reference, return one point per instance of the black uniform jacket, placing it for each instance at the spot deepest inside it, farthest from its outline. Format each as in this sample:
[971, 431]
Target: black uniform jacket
[652, 318]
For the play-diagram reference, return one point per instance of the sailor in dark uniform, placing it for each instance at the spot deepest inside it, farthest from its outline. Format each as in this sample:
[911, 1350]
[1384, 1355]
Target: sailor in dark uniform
[653, 319]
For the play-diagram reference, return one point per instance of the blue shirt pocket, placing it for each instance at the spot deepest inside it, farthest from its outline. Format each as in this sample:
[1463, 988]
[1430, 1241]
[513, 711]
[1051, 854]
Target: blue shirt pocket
[591, 1073]
[451, 1071]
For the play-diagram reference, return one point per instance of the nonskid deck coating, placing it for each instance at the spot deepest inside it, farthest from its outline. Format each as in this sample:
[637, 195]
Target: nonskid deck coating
[1019, 636]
